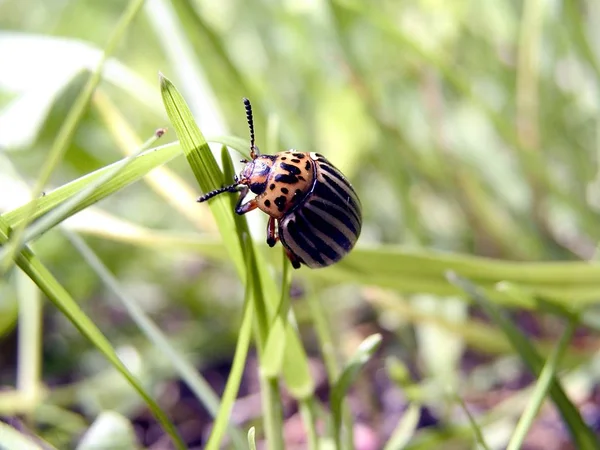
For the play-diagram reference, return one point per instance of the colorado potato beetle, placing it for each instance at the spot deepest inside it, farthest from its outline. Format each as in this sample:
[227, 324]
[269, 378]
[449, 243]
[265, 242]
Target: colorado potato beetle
[315, 209]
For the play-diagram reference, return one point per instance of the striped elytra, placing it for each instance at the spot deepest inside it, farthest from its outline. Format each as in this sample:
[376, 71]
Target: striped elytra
[313, 209]
[327, 225]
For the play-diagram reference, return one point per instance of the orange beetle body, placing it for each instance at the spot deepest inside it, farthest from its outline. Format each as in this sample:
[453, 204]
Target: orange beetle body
[312, 207]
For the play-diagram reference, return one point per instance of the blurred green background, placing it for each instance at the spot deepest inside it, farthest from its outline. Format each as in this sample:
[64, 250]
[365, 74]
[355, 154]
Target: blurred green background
[466, 127]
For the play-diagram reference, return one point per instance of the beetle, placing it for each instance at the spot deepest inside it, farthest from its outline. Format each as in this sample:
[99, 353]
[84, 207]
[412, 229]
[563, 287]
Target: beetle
[313, 209]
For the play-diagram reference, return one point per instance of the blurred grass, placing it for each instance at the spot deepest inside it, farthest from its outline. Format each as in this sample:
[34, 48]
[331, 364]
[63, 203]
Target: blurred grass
[469, 129]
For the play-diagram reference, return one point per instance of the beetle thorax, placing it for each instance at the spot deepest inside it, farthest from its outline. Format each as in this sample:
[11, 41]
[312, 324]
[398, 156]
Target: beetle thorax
[255, 173]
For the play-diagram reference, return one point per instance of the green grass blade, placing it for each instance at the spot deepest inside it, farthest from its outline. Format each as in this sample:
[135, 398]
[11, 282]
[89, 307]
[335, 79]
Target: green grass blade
[33, 267]
[309, 419]
[405, 429]
[252, 438]
[582, 435]
[68, 208]
[538, 397]
[29, 384]
[236, 238]
[203, 165]
[363, 354]
[568, 284]
[276, 340]
[237, 370]
[133, 172]
[198, 385]
[478, 435]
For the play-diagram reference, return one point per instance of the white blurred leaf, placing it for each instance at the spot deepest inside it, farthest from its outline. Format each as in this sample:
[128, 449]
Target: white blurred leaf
[39, 68]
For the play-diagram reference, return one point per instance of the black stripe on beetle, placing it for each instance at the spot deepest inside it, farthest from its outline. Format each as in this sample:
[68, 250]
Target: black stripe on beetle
[323, 247]
[336, 173]
[342, 215]
[353, 213]
[333, 192]
[300, 241]
[321, 223]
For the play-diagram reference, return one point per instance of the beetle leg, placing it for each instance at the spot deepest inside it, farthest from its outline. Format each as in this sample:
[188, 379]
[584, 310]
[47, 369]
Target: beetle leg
[272, 237]
[247, 207]
[293, 259]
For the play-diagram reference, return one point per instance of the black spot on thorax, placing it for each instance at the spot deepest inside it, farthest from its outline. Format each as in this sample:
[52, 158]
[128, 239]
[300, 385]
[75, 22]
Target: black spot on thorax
[280, 202]
[285, 190]
[285, 178]
[291, 169]
[258, 188]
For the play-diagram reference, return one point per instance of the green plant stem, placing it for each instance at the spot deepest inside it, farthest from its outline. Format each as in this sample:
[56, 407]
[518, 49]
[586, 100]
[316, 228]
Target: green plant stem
[29, 342]
[474, 426]
[235, 375]
[269, 387]
[328, 346]
[272, 410]
[306, 410]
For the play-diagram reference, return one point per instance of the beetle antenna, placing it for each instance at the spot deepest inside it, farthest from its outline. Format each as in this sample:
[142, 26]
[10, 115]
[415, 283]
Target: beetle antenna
[211, 194]
[254, 152]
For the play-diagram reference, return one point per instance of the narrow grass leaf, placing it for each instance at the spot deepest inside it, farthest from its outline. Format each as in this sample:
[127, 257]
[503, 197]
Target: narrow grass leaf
[309, 419]
[57, 294]
[582, 435]
[296, 371]
[132, 172]
[203, 165]
[363, 354]
[570, 285]
[197, 384]
[252, 438]
[405, 429]
[276, 340]
[236, 238]
[479, 439]
[237, 369]
[538, 396]
[67, 208]
[29, 341]
[294, 365]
